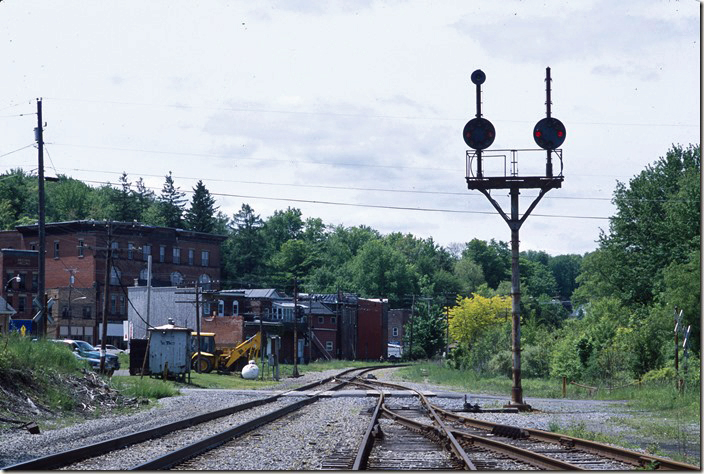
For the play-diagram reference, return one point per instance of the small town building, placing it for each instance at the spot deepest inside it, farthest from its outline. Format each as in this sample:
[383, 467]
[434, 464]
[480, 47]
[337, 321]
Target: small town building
[76, 269]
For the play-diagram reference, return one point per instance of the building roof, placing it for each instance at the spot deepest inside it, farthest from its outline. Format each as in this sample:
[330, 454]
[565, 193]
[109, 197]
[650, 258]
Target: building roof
[263, 293]
[116, 227]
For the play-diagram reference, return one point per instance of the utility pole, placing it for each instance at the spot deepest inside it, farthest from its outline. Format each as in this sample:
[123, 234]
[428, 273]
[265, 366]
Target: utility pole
[39, 136]
[106, 294]
[198, 326]
[295, 327]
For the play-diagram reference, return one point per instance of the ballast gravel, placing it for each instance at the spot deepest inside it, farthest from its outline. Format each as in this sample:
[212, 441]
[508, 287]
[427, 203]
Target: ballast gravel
[329, 428]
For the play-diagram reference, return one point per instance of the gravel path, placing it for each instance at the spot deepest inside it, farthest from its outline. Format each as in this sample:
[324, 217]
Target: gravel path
[313, 433]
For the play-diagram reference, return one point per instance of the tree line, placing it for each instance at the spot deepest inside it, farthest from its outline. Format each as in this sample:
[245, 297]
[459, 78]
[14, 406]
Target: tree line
[608, 313]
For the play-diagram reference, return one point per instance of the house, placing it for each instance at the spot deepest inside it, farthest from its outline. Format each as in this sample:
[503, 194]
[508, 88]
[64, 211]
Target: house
[398, 318]
[76, 270]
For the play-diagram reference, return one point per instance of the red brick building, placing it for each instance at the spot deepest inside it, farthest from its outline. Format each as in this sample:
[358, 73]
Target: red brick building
[372, 327]
[19, 270]
[75, 264]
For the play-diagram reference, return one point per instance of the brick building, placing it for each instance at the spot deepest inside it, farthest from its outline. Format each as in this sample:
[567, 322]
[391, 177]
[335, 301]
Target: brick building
[372, 327]
[75, 264]
[19, 270]
[398, 318]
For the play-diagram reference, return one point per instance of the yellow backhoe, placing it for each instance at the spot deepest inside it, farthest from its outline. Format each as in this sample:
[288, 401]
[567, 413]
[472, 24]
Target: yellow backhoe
[223, 359]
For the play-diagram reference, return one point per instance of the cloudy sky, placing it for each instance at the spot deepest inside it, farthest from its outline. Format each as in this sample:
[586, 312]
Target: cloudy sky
[353, 111]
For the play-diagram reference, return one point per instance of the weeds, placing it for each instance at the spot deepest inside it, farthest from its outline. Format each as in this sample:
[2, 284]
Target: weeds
[144, 387]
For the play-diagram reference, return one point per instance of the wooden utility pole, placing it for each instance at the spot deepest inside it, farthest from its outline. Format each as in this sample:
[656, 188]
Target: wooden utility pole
[198, 326]
[39, 135]
[106, 295]
[295, 328]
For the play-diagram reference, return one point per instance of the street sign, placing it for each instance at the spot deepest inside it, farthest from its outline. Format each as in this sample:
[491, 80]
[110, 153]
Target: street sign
[23, 326]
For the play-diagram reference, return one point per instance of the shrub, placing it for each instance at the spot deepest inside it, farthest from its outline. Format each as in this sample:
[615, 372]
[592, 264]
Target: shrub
[502, 363]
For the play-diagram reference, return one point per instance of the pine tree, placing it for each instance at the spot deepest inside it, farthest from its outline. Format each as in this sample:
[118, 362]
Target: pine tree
[172, 203]
[144, 198]
[125, 203]
[201, 215]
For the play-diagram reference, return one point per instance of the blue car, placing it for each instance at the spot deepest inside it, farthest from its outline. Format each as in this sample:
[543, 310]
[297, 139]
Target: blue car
[84, 351]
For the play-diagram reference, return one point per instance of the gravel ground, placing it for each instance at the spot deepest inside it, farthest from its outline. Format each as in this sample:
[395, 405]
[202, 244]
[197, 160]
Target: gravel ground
[313, 434]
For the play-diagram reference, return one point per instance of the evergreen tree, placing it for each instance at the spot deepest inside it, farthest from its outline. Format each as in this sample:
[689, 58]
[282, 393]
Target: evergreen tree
[144, 198]
[200, 217]
[172, 203]
[125, 206]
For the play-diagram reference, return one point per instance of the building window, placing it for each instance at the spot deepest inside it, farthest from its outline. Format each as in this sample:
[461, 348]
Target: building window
[146, 251]
[86, 312]
[333, 319]
[123, 304]
[177, 255]
[191, 256]
[80, 248]
[130, 250]
[162, 253]
[221, 308]
[206, 309]
[235, 308]
[321, 320]
[35, 281]
[23, 281]
[115, 245]
[20, 304]
[328, 346]
[113, 304]
[176, 278]
[204, 281]
[394, 332]
[56, 249]
[115, 276]
[204, 258]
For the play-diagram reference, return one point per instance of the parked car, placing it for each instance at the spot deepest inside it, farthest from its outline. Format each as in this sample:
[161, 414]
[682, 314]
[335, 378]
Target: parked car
[84, 351]
[110, 349]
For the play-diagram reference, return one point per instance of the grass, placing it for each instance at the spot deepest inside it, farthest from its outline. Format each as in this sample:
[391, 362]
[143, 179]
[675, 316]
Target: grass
[144, 387]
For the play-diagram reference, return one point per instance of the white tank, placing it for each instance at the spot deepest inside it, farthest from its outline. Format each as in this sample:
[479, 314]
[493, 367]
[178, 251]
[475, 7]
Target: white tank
[250, 371]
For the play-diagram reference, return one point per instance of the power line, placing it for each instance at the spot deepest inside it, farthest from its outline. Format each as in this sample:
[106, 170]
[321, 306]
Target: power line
[374, 206]
[19, 149]
[348, 188]
[342, 114]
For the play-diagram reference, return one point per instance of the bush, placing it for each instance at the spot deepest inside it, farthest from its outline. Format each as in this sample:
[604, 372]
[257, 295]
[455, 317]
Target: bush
[502, 363]
[535, 361]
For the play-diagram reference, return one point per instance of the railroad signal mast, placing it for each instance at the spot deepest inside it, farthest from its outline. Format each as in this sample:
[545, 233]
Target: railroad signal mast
[549, 133]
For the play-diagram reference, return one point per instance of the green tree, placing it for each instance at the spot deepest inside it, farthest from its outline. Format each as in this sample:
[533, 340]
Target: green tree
[200, 217]
[125, 206]
[565, 269]
[144, 199]
[656, 223]
[68, 199]
[244, 249]
[494, 258]
[381, 271]
[171, 203]
[471, 316]
[428, 329]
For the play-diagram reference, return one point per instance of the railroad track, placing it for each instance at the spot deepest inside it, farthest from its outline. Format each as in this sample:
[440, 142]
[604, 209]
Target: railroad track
[490, 446]
[281, 403]
[411, 435]
[452, 449]
[589, 455]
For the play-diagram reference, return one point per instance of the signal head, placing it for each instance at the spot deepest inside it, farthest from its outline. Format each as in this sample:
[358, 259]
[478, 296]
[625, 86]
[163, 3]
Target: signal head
[478, 77]
[549, 133]
[479, 133]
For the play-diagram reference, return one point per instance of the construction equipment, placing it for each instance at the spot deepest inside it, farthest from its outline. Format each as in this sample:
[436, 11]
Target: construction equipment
[223, 359]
